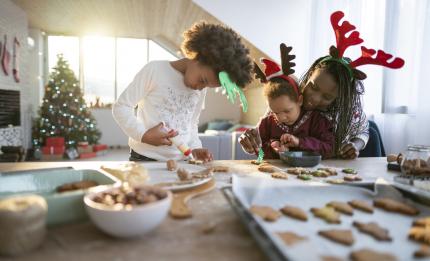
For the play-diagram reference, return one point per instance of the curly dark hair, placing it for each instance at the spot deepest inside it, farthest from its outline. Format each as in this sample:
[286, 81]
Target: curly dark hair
[277, 87]
[220, 48]
[348, 100]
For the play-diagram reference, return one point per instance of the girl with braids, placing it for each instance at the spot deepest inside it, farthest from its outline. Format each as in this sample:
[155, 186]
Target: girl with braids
[286, 126]
[321, 89]
[170, 95]
[333, 85]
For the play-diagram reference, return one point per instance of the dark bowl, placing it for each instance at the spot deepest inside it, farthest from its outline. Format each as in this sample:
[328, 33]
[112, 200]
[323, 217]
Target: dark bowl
[300, 158]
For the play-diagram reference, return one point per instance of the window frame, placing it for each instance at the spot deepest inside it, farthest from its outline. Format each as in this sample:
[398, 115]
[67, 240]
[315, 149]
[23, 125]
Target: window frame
[81, 58]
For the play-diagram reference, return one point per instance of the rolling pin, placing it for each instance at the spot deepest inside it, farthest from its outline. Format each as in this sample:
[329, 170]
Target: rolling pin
[179, 208]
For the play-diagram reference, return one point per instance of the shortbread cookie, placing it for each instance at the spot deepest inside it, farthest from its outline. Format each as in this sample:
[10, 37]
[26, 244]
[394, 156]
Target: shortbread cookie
[331, 258]
[395, 206]
[373, 230]
[256, 162]
[366, 254]
[423, 252]
[279, 175]
[171, 165]
[266, 213]
[290, 238]
[298, 171]
[266, 167]
[220, 169]
[203, 174]
[183, 174]
[195, 162]
[420, 234]
[422, 222]
[335, 181]
[320, 173]
[342, 236]
[349, 171]
[361, 205]
[341, 207]
[331, 171]
[83, 184]
[304, 177]
[328, 214]
[352, 178]
[294, 212]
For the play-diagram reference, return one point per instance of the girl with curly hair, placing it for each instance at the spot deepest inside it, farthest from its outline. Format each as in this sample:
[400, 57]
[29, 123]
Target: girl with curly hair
[170, 95]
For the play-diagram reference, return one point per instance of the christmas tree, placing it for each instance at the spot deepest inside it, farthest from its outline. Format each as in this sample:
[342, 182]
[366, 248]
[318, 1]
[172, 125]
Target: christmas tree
[63, 112]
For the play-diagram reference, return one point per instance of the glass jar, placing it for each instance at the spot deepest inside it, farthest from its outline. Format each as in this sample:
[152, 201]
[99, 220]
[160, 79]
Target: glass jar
[416, 160]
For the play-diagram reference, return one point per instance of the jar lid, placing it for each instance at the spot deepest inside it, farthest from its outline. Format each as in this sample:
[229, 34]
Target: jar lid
[418, 148]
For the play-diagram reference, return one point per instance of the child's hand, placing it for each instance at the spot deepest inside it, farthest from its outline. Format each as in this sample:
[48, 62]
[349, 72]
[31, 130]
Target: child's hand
[278, 147]
[202, 154]
[250, 141]
[156, 136]
[289, 140]
[348, 151]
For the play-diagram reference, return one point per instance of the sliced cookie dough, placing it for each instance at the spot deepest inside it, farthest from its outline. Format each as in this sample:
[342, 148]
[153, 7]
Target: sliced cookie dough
[374, 230]
[266, 213]
[341, 207]
[342, 236]
[361, 205]
[291, 238]
[279, 175]
[366, 254]
[294, 212]
[395, 206]
[328, 214]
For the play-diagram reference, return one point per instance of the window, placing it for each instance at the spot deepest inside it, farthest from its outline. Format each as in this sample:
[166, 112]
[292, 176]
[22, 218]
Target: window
[99, 69]
[108, 64]
[66, 45]
[156, 52]
[132, 55]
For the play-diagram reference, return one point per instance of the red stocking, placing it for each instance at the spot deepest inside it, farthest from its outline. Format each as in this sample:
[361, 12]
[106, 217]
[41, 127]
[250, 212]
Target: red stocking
[5, 58]
[15, 69]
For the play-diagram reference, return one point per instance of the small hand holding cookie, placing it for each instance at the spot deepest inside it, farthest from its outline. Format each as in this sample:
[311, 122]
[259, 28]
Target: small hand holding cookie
[157, 136]
[289, 140]
[349, 150]
[278, 147]
[250, 141]
[202, 154]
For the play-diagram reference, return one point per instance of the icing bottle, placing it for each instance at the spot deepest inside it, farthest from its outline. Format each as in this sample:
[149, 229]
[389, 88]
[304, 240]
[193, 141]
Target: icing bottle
[177, 141]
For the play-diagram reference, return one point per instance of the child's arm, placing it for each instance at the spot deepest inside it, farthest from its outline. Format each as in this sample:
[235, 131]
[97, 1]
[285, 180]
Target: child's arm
[358, 138]
[264, 129]
[195, 143]
[123, 110]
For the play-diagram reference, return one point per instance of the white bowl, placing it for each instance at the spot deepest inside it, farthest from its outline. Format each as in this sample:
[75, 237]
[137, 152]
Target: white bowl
[138, 220]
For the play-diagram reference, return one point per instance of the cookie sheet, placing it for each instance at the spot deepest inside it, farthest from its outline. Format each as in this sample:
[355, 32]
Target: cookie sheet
[275, 193]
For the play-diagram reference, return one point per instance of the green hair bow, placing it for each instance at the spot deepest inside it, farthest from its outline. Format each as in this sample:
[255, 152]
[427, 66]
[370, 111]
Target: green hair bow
[232, 90]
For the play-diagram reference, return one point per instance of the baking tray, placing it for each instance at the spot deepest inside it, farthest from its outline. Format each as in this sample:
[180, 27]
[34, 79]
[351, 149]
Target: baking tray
[417, 187]
[63, 207]
[249, 191]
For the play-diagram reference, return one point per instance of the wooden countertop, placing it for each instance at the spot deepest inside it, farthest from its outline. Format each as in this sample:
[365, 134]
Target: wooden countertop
[174, 239]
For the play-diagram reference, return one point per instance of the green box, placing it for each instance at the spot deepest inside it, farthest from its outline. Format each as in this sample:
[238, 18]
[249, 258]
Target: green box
[66, 207]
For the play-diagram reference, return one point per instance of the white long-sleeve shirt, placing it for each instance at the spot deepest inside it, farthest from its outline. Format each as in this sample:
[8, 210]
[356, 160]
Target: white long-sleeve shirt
[160, 94]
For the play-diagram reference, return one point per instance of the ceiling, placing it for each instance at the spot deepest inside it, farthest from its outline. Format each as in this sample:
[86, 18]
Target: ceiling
[160, 20]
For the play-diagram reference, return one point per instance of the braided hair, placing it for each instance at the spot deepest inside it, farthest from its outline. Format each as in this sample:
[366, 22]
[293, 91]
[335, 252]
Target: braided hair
[342, 110]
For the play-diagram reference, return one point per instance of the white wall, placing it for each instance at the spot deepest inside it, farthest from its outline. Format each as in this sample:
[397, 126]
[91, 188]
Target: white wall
[13, 23]
[268, 23]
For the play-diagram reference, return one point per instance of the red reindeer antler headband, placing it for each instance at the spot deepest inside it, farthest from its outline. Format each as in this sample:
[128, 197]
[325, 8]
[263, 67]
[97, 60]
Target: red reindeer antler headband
[367, 55]
[273, 70]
